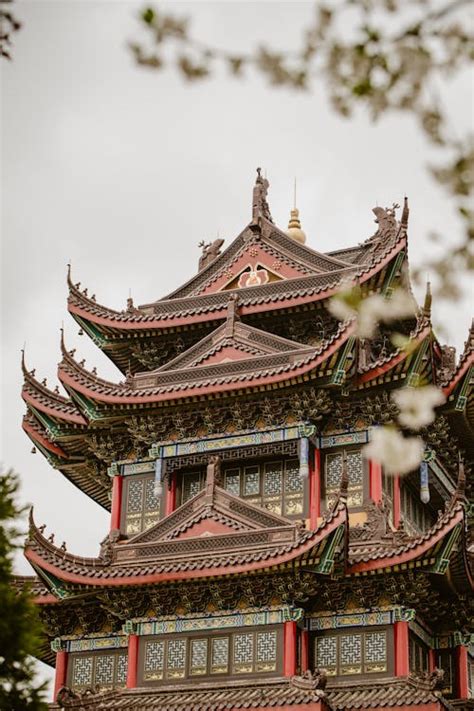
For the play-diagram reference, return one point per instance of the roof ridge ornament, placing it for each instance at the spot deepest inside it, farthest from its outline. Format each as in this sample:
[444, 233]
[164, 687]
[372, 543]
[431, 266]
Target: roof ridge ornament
[232, 315]
[405, 213]
[260, 207]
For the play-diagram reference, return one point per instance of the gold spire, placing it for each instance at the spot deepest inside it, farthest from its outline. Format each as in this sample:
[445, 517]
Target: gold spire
[294, 230]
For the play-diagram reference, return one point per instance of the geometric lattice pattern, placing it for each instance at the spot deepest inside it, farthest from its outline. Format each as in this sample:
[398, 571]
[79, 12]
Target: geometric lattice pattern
[355, 470]
[252, 481]
[121, 670]
[334, 465]
[351, 649]
[152, 502]
[198, 656]
[192, 485]
[293, 479]
[220, 655]
[375, 647]
[326, 652]
[176, 654]
[355, 474]
[266, 646]
[232, 482]
[82, 675]
[352, 653]
[272, 482]
[104, 670]
[135, 496]
[243, 648]
[154, 656]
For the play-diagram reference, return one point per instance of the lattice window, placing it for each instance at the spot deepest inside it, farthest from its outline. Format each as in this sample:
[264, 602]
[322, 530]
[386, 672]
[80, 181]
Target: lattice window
[198, 663]
[334, 466]
[142, 506]
[266, 652]
[220, 655]
[276, 486]
[232, 481]
[243, 653]
[104, 671]
[154, 660]
[193, 482]
[176, 658]
[352, 653]
[82, 671]
[326, 654]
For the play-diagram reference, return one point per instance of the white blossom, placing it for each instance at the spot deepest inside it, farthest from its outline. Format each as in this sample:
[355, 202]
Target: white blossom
[417, 405]
[372, 310]
[396, 453]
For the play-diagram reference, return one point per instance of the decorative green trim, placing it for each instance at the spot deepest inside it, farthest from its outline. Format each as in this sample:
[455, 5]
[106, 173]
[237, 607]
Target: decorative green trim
[215, 621]
[92, 331]
[52, 429]
[350, 619]
[413, 379]
[91, 644]
[403, 614]
[441, 563]
[359, 437]
[57, 645]
[387, 288]
[87, 405]
[328, 558]
[340, 373]
[461, 400]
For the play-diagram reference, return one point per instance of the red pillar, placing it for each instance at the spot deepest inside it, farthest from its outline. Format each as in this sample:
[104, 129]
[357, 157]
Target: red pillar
[170, 503]
[304, 651]
[400, 632]
[462, 672]
[132, 661]
[289, 644]
[314, 488]
[431, 660]
[117, 484]
[375, 481]
[396, 502]
[61, 672]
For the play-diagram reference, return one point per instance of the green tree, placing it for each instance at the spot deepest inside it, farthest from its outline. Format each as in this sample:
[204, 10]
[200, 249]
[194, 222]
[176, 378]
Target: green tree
[20, 628]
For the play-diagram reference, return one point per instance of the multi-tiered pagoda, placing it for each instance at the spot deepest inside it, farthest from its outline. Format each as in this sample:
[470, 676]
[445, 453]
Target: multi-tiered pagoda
[255, 558]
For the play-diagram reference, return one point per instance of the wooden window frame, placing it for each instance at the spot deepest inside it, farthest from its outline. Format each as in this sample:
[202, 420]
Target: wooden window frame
[342, 450]
[128, 480]
[260, 498]
[363, 674]
[94, 654]
[209, 635]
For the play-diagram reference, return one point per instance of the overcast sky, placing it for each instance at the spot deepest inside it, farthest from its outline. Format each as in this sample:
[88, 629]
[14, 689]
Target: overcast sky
[123, 171]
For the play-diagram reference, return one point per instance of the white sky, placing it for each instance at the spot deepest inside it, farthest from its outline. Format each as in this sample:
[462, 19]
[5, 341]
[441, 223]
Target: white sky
[123, 171]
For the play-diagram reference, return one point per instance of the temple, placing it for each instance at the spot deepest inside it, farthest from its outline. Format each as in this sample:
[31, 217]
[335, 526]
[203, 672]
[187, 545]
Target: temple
[255, 558]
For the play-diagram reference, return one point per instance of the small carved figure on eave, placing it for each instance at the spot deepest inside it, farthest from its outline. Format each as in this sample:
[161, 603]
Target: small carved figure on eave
[260, 207]
[210, 251]
[316, 679]
[107, 546]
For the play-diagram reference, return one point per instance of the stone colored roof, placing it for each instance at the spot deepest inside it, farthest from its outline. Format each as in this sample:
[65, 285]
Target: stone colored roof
[465, 362]
[385, 693]
[32, 582]
[257, 694]
[171, 384]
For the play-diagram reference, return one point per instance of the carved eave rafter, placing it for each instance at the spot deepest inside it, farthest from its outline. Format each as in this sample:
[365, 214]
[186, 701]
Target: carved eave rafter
[189, 558]
[411, 364]
[432, 551]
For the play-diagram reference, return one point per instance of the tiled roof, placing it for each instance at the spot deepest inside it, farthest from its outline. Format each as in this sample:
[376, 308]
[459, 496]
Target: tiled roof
[34, 584]
[180, 383]
[240, 695]
[190, 557]
[466, 360]
[385, 693]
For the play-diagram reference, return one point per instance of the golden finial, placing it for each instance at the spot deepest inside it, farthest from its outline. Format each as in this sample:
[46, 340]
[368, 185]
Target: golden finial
[294, 230]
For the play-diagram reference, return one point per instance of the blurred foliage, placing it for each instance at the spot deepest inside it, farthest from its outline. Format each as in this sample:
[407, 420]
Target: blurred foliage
[8, 25]
[19, 624]
[387, 55]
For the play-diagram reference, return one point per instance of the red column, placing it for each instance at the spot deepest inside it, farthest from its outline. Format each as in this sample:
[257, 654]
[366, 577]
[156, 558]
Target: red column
[462, 672]
[304, 651]
[117, 483]
[375, 481]
[396, 502]
[132, 661]
[431, 660]
[289, 648]
[61, 672]
[170, 503]
[400, 633]
[314, 488]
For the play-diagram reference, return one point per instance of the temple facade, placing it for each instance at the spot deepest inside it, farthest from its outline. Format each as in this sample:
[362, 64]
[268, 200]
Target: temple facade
[255, 558]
